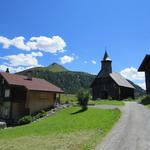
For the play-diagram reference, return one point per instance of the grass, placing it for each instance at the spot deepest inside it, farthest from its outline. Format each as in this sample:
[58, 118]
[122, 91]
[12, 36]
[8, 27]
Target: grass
[63, 131]
[145, 100]
[68, 98]
[73, 99]
[106, 102]
[148, 106]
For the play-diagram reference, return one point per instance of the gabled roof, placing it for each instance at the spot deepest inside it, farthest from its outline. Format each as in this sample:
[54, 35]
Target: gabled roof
[35, 84]
[120, 80]
[144, 63]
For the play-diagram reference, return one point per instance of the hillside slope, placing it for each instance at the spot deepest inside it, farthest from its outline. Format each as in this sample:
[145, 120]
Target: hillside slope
[69, 81]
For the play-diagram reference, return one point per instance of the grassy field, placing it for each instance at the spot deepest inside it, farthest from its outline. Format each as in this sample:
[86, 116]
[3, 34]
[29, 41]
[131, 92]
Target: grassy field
[73, 99]
[106, 102]
[68, 98]
[66, 130]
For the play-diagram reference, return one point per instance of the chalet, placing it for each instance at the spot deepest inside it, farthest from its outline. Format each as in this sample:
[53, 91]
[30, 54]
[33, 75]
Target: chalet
[23, 95]
[145, 66]
[108, 84]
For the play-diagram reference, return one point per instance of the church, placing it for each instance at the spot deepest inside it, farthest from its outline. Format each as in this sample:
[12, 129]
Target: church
[110, 85]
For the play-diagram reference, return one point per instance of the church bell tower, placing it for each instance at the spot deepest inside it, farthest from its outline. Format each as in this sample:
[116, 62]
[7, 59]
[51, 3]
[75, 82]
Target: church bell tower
[106, 67]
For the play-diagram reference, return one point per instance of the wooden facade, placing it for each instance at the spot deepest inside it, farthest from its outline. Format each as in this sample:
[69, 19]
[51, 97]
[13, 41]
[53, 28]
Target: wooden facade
[17, 101]
[145, 67]
[108, 84]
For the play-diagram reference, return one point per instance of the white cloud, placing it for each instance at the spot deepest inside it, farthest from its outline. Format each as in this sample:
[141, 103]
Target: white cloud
[93, 62]
[20, 62]
[42, 43]
[23, 59]
[6, 42]
[66, 59]
[13, 69]
[135, 76]
[132, 74]
[19, 43]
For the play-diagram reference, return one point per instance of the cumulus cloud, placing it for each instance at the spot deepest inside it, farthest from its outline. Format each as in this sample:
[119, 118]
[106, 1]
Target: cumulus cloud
[42, 43]
[23, 59]
[93, 62]
[13, 69]
[20, 62]
[66, 59]
[132, 74]
[135, 76]
[5, 41]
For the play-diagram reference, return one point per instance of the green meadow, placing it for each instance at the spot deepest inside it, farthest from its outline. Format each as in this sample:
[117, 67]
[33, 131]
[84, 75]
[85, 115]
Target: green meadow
[68, 129]
[73, 99]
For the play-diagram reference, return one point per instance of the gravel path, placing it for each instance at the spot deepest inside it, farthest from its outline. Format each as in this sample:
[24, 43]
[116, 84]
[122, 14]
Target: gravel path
[132, 132]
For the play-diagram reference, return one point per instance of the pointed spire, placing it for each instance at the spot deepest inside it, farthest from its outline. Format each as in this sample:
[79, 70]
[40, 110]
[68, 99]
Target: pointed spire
[7, 70]
[106, 57]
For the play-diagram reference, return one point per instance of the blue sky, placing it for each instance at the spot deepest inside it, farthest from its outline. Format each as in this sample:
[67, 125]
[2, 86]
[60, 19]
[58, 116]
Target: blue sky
[75, 33]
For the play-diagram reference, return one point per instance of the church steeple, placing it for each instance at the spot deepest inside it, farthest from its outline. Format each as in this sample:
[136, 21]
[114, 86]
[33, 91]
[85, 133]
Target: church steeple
[106, 64]
[106, 57]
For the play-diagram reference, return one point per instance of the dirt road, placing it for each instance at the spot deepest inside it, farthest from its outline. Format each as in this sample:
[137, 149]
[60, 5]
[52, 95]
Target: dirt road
[132, 132]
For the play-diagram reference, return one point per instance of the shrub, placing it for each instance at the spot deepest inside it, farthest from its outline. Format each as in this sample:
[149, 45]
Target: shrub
[40, 115]
[145, 100]
[83, 98]
[25, 120]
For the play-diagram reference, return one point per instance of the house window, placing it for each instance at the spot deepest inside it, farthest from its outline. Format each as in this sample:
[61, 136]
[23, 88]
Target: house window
[7, 93]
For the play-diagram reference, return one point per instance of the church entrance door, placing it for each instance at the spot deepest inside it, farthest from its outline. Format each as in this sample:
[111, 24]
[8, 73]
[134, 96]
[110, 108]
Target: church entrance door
[104, 95]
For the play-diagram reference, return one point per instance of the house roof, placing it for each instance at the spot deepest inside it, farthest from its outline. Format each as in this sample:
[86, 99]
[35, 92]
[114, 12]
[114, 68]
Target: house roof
[120, 80]
[35, 84]
[145, 63]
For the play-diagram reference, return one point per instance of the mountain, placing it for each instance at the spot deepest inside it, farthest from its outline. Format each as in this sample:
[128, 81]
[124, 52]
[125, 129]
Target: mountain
[69, 81]
[54, 67]
[138, 90]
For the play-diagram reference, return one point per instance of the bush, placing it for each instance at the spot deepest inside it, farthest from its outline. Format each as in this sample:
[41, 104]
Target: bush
[83, 98]
[40, 115]
[145, 100]
[25, 120]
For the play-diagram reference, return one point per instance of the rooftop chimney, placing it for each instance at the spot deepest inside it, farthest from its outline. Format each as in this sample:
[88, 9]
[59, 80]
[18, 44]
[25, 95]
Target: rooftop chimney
[7, 70]
[29, 75]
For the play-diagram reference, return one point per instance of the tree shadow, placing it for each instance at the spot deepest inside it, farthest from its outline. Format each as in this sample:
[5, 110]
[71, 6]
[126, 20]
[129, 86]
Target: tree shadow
[79, 111]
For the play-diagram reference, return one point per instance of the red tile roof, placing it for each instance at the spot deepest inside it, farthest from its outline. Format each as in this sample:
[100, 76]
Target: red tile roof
[35, 84]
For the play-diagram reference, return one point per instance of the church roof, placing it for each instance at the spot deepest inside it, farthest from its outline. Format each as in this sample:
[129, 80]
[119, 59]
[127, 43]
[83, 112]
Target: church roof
[120, 80]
